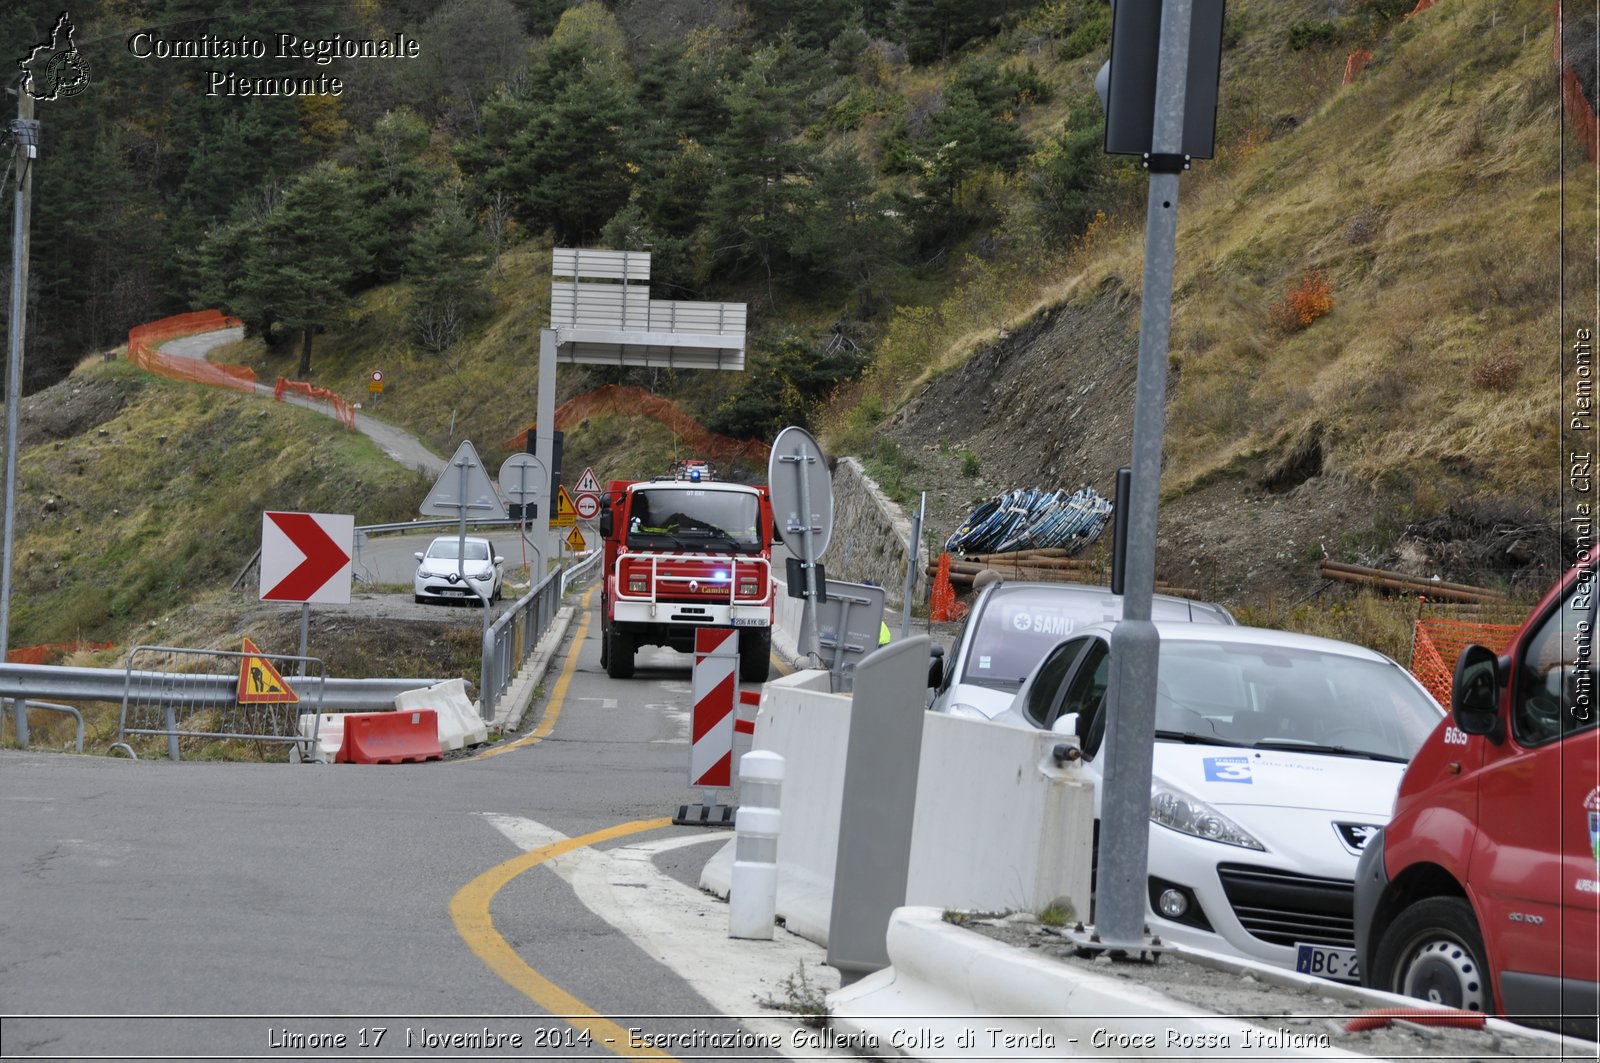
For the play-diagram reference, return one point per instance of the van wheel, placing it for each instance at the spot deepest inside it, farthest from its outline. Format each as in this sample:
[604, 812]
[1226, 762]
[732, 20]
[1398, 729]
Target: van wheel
[755, 647]
[1434, 951]
[619, 655]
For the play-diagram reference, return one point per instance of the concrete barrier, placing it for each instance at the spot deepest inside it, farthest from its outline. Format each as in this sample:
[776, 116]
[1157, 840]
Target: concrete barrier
[997, 825]
[955, 995]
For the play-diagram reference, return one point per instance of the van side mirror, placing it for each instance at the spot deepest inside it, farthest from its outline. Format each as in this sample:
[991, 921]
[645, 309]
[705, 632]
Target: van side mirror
[936, 666]
[1066, 724]
[605, 517]
[1475, 694]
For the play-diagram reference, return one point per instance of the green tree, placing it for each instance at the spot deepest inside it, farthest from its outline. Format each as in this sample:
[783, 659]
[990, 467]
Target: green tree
[298, 264]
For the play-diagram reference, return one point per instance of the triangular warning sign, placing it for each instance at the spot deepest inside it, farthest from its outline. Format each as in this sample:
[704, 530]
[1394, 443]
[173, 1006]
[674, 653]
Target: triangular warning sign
[464, 485]
[565, 514]
[575, 540]
[259, 681]
[587, 483]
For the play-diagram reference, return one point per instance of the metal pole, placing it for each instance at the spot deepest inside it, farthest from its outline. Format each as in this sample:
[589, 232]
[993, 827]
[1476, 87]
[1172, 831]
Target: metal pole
[1135, 644]
[911, 567]
[544, 435]
[305, 635]
[27, 152]
[808, 608]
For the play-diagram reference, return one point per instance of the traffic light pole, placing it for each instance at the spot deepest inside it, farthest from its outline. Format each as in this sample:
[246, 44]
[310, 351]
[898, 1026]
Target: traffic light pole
[1135, 645]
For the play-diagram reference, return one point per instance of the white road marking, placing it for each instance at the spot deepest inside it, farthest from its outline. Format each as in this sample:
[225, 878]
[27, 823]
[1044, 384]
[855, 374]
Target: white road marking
[686, 930]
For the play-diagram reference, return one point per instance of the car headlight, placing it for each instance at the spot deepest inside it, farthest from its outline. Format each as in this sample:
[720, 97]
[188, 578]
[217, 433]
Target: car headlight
[1173, 808]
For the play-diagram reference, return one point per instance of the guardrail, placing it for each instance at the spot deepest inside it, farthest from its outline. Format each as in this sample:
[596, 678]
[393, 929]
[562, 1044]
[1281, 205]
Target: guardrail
[58, 683]
[511, 639]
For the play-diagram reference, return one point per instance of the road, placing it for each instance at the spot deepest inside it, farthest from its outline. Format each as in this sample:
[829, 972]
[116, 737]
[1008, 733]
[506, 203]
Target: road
[401, 896]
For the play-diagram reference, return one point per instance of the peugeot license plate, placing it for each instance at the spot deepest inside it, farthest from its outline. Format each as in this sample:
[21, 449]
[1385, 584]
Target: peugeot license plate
[1326, 962]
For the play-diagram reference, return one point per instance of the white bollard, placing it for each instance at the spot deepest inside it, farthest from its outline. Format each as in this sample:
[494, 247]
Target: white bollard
[753, 889]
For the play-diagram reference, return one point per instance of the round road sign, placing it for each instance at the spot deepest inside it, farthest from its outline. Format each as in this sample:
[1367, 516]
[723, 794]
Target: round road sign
[377, 376]
[587, 505]
[524, 479]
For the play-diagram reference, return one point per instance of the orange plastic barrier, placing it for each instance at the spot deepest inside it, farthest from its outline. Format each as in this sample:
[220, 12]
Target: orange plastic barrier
[345, 412]
[637, 402]
[1580, 110]
[144, 339]
[1437, 643]
[390, 738]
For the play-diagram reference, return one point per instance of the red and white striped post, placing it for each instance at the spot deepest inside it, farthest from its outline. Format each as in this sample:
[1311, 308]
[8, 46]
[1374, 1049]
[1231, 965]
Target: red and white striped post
[711, 722]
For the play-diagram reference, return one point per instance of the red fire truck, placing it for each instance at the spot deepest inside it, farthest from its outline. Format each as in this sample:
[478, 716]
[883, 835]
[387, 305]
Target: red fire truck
[682, 552]
[1483, 892]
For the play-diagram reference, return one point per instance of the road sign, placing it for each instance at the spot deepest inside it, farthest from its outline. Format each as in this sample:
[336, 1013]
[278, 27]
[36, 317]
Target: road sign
[587, 505]
[523, 480]
[565, 514]
[575, 541]
[588, 483]
[259, 681]
[376, 384]
[305, 557]
[795, 454]
[464, 487]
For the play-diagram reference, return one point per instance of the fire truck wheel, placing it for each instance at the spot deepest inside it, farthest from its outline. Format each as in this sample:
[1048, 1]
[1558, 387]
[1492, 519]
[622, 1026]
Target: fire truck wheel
[619, 655]
[755, 647]
[1434, 951]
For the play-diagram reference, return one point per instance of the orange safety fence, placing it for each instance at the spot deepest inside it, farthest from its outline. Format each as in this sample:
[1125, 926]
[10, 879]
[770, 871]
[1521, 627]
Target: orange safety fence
[942, 604]
[143, 341]
[637, 402]
[1355, 64]
[345, 412]
[1580, 109]
[1437, 643]
[50, 651]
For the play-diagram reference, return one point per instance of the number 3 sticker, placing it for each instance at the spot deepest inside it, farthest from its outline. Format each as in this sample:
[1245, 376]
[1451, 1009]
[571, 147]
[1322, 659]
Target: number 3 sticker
[1227, 769]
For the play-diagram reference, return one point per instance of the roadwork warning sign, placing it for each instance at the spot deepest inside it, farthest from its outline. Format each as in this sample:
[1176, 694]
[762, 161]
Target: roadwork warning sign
[259, 681]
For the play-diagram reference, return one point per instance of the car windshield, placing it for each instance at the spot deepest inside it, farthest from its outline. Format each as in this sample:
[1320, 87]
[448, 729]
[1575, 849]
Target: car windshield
[694, 518]
[445, 549]
[1018, 627]
[1272, 697]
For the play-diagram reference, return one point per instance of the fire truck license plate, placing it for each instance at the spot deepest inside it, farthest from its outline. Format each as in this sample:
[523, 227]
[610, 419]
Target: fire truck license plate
[749, 621]
[1325, 962]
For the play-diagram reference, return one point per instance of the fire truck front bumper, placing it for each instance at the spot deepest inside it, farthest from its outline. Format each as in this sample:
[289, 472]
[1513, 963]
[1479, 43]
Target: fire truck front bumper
[699, 613]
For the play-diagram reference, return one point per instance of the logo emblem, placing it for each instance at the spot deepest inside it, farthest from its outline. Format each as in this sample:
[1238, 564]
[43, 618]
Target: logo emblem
[694, 586]
[1355, 836]
[56, 69]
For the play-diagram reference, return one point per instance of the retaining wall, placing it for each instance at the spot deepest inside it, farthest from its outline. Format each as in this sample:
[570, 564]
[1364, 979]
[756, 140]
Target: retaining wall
[871, 534]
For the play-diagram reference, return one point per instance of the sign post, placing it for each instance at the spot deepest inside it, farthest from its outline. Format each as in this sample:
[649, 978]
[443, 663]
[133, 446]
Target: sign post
[1135, 643]
[522, 480]
[464, 486]
[802, 503]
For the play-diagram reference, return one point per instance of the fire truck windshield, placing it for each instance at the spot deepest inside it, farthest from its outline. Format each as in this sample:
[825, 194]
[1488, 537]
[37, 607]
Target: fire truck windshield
[694, 519]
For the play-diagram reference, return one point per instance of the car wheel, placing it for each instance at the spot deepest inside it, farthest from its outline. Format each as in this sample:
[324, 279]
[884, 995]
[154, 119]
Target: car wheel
[755, 647]
[619, 655]
[1434, 951]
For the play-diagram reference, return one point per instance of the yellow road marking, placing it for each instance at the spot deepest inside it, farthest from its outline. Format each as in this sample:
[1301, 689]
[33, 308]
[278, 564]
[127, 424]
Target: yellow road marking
[552, 711]
[469, 910]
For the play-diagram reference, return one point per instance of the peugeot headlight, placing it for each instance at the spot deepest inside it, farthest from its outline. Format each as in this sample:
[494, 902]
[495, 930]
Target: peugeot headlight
[1173, 808]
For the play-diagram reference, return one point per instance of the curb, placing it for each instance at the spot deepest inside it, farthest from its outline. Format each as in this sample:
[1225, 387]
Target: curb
[518, 698]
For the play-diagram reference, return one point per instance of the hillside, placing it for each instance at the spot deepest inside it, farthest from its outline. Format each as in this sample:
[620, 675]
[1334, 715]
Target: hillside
[1414, 423]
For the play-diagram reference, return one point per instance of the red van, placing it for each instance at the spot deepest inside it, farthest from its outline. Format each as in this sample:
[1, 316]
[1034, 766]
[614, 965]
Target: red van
[1483, 892]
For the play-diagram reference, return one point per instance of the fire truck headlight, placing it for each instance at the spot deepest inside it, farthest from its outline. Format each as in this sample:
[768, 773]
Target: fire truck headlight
[638, 585]
[749, 588]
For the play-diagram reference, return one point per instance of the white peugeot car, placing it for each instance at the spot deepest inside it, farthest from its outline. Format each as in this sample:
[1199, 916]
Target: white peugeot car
[1277, 756]
[445, 571]
[1012, 624]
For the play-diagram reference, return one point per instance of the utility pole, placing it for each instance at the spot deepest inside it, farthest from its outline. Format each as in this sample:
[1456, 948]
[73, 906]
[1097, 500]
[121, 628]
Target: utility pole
[25, 136]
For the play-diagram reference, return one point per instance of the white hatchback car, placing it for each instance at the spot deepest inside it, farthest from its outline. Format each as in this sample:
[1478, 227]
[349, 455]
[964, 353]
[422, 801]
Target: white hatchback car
[1012, 624]
[1277, 756]
[445, 571]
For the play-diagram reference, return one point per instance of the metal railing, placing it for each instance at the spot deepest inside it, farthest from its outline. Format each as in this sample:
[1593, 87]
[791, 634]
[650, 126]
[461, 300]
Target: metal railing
[511, 639]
